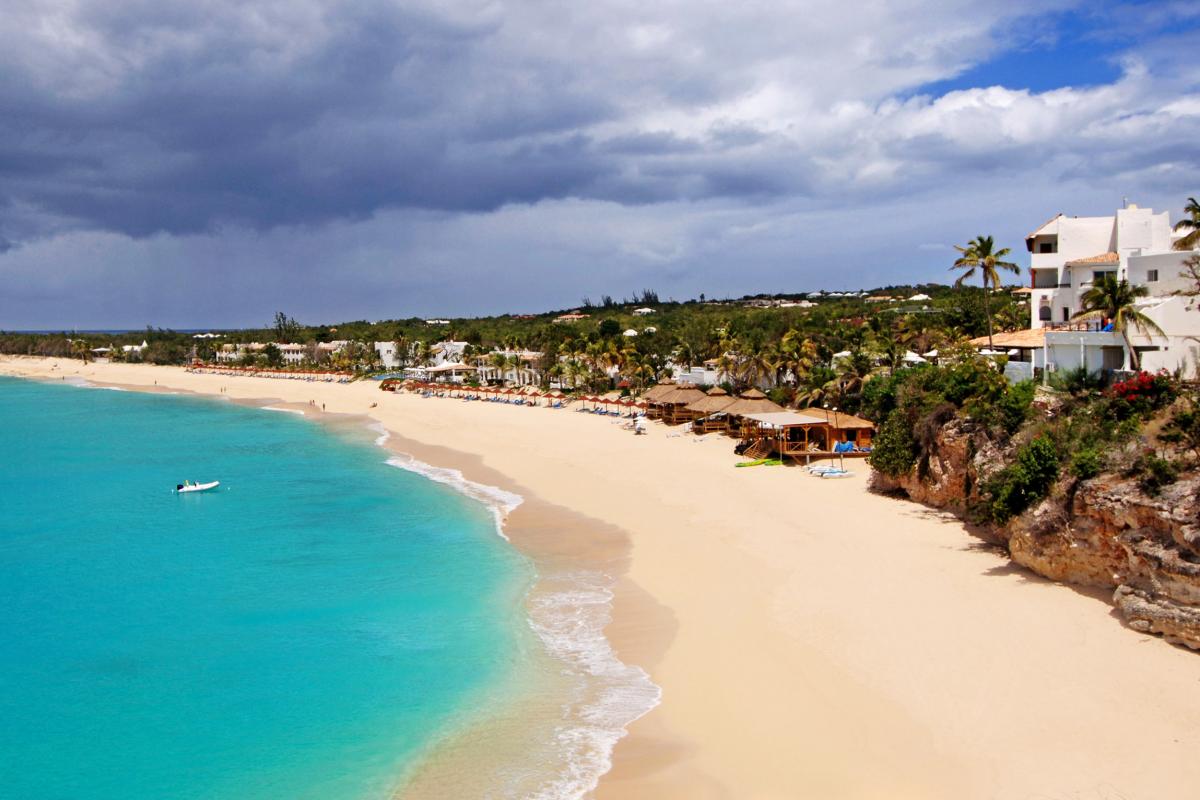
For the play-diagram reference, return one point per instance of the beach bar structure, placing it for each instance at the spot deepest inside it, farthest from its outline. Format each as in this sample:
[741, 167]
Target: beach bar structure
[847, 427]
[751, 401]
[708, 411]
[808, 433]
[650, 398]
[673, 405]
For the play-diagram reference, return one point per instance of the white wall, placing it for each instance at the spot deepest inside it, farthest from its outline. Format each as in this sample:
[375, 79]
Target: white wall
[387, 354]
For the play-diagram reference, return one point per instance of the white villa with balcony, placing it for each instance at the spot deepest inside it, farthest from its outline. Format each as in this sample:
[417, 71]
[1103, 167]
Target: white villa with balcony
[1068, 254]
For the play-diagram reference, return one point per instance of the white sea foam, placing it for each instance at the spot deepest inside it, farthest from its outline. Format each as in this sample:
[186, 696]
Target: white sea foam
[383, 432]
[284, 410]
[501, 502]
[570, 623]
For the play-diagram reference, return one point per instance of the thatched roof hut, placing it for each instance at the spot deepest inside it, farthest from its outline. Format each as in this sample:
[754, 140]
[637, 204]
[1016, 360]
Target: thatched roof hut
[840, 419]
[751, 402]
[654, 392]
[715, 401]
[680, 396]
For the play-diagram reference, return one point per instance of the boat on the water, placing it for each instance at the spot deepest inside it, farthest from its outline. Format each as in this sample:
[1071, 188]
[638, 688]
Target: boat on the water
[187, 486]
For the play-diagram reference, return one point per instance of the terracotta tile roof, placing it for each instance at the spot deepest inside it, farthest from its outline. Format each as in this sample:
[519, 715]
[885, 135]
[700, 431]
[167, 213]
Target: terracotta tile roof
[1033, 337]
[1104, 258]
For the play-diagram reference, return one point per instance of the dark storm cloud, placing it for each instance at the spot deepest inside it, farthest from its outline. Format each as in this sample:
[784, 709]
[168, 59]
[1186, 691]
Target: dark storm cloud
[159, 158]
[167, 116]
[382, 111]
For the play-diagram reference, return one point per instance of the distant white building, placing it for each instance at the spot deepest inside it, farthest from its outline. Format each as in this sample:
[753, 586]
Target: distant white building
[1068, 255]
[293, 353]
[520, 368]
[449, 352]
[642, 312]
[230, 353]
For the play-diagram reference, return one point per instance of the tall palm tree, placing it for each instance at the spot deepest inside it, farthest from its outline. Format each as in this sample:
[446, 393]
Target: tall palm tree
[1116, 300]
[1191, 241]
[981, 254]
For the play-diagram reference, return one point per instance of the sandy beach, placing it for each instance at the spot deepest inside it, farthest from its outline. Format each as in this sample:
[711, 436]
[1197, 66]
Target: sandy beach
[811, 639]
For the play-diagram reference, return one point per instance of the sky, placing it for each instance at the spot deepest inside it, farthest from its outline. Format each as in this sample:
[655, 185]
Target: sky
[191, 165]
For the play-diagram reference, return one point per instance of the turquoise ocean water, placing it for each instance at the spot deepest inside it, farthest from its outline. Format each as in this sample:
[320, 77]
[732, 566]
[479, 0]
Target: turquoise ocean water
[304, 632]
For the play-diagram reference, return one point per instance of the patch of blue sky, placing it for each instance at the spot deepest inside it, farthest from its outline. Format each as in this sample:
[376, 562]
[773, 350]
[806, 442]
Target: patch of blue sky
[1081, 47]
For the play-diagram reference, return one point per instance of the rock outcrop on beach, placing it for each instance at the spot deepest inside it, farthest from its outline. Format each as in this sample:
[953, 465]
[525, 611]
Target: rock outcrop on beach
[1105, 532]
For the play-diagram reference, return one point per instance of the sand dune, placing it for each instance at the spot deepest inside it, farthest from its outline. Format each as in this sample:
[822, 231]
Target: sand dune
[812, 640]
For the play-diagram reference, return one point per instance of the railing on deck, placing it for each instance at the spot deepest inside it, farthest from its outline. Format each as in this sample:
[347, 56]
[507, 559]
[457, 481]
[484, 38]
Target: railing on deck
[1078, 325]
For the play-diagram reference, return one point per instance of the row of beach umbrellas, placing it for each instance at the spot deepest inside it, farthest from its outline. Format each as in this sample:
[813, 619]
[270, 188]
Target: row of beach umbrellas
[527, 391]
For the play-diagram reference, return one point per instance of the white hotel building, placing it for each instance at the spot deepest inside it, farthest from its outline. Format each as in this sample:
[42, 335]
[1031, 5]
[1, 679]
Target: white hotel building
[1068, 254]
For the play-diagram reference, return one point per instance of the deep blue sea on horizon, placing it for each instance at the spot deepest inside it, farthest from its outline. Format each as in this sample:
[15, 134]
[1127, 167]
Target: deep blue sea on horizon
[304, 632]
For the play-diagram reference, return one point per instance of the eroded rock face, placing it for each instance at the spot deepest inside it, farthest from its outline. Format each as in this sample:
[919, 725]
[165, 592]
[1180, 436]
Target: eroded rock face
[963, 456]
[1104, 533]
[1144, 612]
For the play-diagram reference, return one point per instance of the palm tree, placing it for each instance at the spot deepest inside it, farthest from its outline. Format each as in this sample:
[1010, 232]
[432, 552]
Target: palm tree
[761, 362]
[684, 355]
[81, 349]
[980, 254]
[498, 361]
[797, 355]
[1116, 301]
[1192, 224]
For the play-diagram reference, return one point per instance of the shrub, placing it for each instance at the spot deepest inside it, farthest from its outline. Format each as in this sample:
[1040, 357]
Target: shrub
[781, 395]
[1141, 395]
[894, 451]
[1077, 381]
[1183, 429]
[1086, 463]
[1014, 405]
[879, 396]
[1156, 473]
[1024, 482]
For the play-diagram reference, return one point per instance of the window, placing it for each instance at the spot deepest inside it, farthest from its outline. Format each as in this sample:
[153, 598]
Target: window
[1046, 247]
[1097, 275]
[1044, 313]
[1066, 314]
[1151, 275]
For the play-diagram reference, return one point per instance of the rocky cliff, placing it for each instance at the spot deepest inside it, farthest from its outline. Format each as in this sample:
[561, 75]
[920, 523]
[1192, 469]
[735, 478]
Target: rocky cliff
[1105, 532]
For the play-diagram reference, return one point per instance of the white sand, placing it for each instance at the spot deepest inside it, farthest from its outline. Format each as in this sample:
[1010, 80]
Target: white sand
[822, 642]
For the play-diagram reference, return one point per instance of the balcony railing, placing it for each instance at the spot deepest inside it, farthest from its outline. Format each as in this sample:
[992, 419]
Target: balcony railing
[1078, 325]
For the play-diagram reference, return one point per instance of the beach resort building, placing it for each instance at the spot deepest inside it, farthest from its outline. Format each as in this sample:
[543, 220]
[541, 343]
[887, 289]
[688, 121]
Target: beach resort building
[293, 353]
[1067, 256]
[231, 353]
[514, 367]
[388, 356]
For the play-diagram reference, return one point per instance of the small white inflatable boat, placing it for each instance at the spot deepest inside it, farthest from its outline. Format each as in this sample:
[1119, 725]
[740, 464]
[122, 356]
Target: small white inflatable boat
[196, 487]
